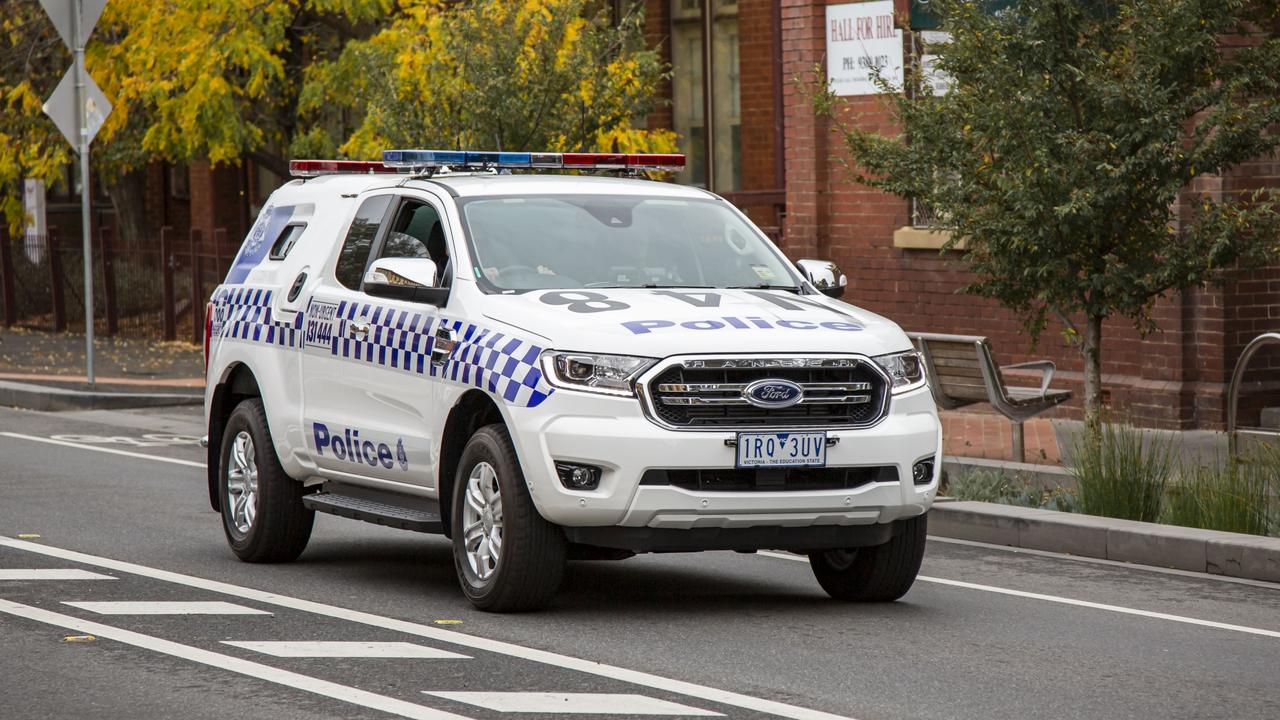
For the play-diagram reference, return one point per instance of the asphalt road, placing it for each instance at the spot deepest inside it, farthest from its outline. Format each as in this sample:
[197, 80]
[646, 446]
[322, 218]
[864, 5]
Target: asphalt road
[985, 633]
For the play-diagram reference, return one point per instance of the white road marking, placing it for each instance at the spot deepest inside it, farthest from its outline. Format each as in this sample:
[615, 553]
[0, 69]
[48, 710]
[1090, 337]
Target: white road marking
[340, 649]
[52, 574]
[166, 608]
[568, 662]
[1071, 601]
[572, 703]
[112, 451]
[226, 662]
[1192, 574]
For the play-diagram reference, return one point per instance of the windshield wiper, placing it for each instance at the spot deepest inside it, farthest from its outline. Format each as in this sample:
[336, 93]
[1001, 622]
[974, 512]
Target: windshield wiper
[765, 286]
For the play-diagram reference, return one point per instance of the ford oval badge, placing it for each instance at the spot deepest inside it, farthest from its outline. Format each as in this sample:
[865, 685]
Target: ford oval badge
[770, 393]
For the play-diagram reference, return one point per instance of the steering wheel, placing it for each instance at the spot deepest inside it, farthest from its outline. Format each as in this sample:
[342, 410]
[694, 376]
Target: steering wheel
[742, 246]
[517, 269]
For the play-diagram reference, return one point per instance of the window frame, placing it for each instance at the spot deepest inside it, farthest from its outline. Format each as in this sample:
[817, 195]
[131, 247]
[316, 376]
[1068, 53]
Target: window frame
[398, 203]
[271, 254]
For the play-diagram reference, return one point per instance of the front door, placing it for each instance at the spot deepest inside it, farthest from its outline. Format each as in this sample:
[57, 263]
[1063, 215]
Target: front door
[368, 395]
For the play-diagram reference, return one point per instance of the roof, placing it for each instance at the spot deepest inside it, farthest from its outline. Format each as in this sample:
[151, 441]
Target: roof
[487, 184]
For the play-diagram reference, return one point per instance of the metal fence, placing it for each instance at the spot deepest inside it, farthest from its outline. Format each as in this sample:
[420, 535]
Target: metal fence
[153, 290]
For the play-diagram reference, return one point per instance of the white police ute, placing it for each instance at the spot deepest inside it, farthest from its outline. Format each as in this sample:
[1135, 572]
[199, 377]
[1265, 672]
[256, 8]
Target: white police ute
[554, 366]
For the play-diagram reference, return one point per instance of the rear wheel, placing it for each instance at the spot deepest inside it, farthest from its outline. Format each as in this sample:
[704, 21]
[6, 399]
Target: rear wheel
[508, 557]
[262, 512]
[880, 573]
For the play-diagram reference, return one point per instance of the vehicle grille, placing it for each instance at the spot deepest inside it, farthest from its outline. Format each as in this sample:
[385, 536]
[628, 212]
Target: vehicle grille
[771, 479]
[703, 394]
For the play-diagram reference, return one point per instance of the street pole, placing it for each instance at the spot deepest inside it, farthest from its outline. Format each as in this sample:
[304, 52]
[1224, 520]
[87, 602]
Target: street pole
[83, 136]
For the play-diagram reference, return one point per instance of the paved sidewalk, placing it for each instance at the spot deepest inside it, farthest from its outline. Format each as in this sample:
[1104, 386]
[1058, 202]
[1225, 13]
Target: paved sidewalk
[120, 365]
[989, 435]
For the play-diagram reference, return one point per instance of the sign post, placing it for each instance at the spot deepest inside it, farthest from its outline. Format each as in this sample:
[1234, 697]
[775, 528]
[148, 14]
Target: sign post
[79, 108]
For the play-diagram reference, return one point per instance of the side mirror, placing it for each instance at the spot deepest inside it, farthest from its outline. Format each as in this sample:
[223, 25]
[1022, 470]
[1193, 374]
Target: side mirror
[411, 279]
[824, 275]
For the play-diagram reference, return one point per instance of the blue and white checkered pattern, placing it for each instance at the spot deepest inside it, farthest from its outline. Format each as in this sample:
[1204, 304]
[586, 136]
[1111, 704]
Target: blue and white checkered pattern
[505, 366]
[244, 313]
[397, 338]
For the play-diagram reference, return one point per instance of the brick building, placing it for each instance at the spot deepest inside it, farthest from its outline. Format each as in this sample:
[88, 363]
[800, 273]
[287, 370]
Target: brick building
[737, 62]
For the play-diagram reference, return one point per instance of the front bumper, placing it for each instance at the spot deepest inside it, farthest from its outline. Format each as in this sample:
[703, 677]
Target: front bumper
[613, 434]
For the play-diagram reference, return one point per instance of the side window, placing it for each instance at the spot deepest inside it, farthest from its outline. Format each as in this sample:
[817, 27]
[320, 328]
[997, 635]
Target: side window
[288, 238]
[354, 255]
[417, 233]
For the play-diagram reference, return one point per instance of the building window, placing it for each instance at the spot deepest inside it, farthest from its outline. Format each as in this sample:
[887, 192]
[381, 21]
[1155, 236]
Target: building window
[701, 79]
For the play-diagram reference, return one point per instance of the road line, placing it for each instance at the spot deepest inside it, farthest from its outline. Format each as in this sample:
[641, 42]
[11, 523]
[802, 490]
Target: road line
[567, 662]
[572, 703]
[343, 649]
[1071, 601]
[52, 574]
[1191, 574]
[252, 669]
[112, 451]
[163, 607]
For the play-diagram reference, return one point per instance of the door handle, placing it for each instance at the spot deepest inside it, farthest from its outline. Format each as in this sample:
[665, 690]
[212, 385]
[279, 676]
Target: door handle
[443, 346]
[359, 331]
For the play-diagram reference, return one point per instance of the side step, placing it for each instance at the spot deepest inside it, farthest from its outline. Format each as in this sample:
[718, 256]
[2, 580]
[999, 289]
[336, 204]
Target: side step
[406, 512]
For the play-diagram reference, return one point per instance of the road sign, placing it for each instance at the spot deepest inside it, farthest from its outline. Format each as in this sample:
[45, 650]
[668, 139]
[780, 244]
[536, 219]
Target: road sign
[61, 107]
[62, 12]
[78, 108]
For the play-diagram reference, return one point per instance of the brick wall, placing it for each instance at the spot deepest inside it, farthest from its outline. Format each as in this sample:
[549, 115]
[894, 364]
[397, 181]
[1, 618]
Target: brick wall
[1174, 377]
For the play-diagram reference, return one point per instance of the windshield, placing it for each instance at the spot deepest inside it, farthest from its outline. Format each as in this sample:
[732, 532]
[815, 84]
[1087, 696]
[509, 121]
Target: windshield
[598, 241]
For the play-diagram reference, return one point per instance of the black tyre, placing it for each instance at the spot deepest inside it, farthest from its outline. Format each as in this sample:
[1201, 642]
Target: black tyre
[507, 556]
[880, 573]
[262, 512]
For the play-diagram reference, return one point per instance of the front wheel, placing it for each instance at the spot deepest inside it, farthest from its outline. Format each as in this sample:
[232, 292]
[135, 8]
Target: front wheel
[508, 557]
[880, 573]
[262, 511]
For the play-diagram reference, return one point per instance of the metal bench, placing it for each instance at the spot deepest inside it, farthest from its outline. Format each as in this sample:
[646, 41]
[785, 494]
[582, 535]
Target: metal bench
[963, 372]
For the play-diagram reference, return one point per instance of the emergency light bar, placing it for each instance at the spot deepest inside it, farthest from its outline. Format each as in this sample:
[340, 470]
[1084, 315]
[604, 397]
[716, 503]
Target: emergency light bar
[458, 160]
[407, 161]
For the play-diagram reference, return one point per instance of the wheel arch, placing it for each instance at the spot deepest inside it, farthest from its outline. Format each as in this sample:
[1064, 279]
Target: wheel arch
[473, 410]
[238, 383]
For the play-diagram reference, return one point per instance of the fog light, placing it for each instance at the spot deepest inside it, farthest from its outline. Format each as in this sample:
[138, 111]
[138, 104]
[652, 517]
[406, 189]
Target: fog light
[922, 472]
[578, 477]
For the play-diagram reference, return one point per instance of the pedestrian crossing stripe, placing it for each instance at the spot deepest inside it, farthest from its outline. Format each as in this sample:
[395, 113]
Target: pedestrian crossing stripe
[215, 607]
[572, 703]
[52, 574]
[341, 649]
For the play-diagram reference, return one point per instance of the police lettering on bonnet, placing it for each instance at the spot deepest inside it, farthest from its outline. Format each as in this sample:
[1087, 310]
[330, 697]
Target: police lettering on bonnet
[517, 352]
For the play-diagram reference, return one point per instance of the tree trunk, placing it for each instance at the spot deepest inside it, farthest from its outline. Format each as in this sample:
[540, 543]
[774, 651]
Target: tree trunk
[1091, 351]
[128, 193]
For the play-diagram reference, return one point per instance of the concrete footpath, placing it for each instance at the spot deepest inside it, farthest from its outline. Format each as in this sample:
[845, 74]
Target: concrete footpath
[1208, 551]
[46, 371]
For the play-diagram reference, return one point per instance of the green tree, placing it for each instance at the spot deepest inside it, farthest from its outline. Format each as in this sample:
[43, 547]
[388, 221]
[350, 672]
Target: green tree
[1069, 132]
[495, 74]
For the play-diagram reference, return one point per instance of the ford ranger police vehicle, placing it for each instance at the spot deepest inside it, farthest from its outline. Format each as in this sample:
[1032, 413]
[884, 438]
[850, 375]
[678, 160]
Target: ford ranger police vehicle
[547, 366]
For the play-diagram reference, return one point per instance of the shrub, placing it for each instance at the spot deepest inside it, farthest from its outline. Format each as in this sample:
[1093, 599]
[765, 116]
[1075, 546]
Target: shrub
[1121, 472]
[995, 487]
[1233, 497]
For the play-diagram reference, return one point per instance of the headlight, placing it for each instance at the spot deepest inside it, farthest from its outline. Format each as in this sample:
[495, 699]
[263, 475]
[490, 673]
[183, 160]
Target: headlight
[905, 369]
[589, 372]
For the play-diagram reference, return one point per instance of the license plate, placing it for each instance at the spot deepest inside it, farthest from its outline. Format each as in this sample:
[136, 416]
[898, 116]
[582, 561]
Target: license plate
[784, 449]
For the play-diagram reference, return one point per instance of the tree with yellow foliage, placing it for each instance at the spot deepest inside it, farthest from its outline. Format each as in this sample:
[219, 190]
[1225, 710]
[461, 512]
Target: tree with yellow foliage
[493, 74]
[225, 80]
